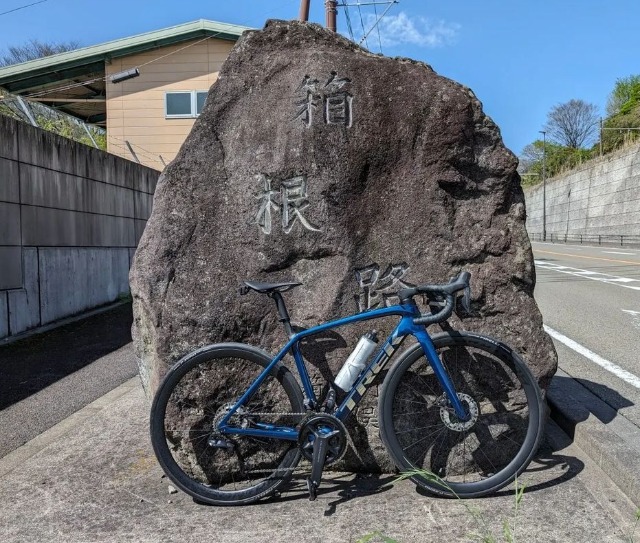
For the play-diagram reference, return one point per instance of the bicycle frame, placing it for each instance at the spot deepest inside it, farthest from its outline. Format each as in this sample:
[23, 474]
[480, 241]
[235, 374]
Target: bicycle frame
[406, 326]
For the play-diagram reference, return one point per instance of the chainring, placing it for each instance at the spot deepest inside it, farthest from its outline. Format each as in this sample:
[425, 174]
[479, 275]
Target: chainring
[318, 424]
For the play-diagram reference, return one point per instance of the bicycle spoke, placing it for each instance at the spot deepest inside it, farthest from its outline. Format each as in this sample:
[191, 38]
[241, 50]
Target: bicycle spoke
[460, 452]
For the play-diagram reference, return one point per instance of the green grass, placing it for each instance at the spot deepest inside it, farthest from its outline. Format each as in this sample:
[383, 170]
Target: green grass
[483, 533]
[635, 525]
[380, 537]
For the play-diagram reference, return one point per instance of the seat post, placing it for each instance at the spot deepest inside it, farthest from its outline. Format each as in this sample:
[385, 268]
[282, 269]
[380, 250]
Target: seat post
[283, 314]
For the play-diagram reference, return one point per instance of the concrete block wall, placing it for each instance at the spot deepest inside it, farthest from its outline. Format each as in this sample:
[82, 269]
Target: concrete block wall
[70, 219]
[601, 197]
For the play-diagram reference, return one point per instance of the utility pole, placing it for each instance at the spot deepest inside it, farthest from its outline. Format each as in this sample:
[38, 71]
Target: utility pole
[600, 137]
[544, 185]
[304, 10]
[331, 10]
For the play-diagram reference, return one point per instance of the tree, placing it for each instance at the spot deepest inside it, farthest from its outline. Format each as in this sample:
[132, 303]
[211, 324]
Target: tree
[623, 91]
[573, 124]
[557, 158]
[35, 49]
[531, 157]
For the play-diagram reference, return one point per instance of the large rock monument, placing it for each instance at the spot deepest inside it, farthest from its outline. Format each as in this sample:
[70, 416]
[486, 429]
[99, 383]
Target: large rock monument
[353, 173]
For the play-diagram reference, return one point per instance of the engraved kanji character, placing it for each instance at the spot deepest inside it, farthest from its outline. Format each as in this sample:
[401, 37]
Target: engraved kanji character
[337, 102]
[376, 288]
[310, 101]
[263, 217]
[294, 202]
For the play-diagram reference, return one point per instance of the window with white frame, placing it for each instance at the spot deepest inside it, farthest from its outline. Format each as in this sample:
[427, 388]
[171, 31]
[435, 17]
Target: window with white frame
[184, 104]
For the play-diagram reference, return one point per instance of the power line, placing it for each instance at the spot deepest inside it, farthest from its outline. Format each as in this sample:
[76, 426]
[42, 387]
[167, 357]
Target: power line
[23, 7]
[364, 38]
[375, 9]
[376, 24]
[181, 49]
[88, 82]
[364, 32]
[65, 87]
[349, 27]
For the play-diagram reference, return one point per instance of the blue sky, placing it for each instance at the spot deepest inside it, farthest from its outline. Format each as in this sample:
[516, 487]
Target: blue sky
[520, 57]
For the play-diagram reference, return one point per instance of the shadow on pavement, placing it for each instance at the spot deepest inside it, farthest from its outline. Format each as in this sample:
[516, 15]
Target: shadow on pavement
[343, 484]
[609, 396]
[547, 469]
[34, 363]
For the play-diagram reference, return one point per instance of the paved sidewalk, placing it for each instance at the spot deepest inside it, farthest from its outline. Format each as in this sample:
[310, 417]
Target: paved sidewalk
[93, 478]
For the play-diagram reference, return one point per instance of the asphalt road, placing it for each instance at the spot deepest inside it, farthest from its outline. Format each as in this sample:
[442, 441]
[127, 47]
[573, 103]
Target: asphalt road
[48, 376]
[590, 302]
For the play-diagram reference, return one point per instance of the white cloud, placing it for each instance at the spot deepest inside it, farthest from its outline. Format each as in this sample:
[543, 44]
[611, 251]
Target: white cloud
[401, 29]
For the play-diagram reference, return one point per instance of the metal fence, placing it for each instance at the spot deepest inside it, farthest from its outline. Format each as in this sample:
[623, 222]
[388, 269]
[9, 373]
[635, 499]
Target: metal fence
[589, 239]
[52, 120]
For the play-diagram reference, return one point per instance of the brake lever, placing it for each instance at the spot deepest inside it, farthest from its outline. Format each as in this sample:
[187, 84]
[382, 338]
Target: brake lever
[466, 299]
[465, 302]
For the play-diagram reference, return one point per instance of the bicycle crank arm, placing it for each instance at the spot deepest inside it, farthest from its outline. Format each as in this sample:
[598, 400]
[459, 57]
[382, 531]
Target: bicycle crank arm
[320, 448]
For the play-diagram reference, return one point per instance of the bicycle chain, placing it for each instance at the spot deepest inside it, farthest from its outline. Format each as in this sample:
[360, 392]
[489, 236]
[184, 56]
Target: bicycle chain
[269, 414]
[298, 467]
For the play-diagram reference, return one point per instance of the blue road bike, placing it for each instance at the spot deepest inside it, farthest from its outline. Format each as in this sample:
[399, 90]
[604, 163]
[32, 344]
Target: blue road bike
[230, 423]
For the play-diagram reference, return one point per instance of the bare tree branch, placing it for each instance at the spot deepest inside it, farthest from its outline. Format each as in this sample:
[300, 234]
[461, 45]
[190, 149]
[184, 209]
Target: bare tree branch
[35, 49]
[573, 124]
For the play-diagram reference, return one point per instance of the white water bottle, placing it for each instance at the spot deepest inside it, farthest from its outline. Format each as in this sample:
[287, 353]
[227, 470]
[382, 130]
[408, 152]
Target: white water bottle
[357, 361]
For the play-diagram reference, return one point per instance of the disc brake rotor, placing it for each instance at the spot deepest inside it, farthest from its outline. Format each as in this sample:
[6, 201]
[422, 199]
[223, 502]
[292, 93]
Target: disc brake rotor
[451, 421]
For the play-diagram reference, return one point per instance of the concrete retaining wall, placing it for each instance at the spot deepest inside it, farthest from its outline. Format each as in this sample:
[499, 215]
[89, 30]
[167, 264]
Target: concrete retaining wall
[600, 198]
[70, 219]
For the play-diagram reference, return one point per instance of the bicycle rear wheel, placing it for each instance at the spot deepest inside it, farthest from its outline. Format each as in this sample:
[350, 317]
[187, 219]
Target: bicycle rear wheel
[193, 397]
[447, 456]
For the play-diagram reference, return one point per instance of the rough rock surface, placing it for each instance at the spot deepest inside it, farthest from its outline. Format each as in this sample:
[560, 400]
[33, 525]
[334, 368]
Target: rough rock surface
[353, 173]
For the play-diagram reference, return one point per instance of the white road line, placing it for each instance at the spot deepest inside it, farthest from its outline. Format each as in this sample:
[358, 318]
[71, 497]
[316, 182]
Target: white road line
[635, 315]
[587, 274]
[617, 253]
[630, 378]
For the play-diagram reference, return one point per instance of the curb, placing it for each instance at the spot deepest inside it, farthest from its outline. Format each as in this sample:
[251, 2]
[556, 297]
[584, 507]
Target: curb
[606, 436]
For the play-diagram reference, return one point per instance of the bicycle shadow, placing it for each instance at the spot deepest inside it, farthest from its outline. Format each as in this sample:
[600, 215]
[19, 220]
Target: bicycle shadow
[317, 348]
[346, 486]
[575, 397]
[549, 467]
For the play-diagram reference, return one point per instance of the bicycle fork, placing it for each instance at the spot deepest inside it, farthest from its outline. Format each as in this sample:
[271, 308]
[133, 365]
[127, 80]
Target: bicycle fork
[420, 333]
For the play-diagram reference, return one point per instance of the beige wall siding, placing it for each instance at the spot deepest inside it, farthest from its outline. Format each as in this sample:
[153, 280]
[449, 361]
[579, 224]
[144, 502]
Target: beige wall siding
[136, 108]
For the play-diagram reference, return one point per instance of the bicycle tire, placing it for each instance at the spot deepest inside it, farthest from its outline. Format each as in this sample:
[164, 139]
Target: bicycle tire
[194, 394]
[443, 455]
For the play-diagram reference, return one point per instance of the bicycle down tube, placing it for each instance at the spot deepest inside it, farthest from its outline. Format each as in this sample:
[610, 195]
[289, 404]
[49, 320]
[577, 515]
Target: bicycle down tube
[405, 327]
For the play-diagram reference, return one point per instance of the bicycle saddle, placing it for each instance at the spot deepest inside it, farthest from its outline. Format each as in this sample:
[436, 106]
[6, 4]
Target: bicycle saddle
[265, 288]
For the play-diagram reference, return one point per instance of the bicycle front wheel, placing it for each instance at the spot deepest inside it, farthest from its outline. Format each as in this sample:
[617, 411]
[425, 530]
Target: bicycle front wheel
[195, 395]
[445, 455]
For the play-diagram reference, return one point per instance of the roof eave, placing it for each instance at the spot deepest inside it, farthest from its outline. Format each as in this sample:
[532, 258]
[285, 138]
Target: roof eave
[54, 64]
